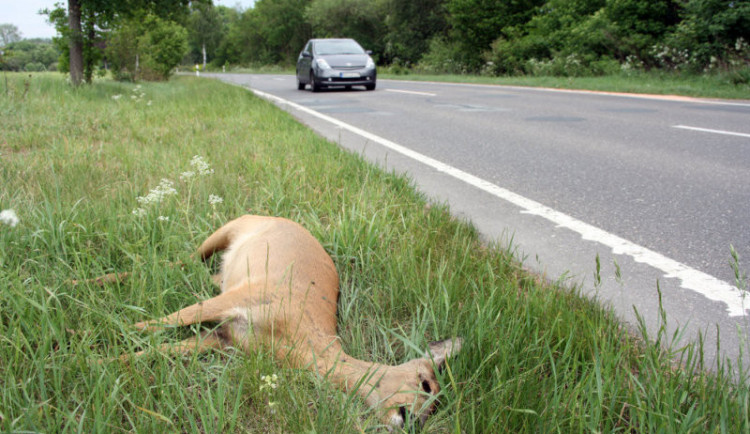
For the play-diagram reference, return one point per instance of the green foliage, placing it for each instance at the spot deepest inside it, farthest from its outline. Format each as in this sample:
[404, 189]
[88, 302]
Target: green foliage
[163, 45]
[205, 30]
[476, 24]
[29, 55]
[638, 25]
[411, 25]
[282, 28]
[713, 34]
[148, 48]
[444, 56]
[97, 18]
[122, 50]
[358, 19]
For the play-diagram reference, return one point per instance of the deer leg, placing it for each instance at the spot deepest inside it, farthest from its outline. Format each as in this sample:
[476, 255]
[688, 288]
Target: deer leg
[214, 309]
[195, 344]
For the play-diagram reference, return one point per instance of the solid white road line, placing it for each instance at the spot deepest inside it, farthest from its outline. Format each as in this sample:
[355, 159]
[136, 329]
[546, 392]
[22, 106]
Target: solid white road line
[706, 130]
[690, 278]
[412, 92]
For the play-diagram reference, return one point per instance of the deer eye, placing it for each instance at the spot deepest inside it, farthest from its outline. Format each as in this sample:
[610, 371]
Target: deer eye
[426, 386]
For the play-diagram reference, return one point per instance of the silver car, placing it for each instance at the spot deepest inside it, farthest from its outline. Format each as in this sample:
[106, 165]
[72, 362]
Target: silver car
[335, 62]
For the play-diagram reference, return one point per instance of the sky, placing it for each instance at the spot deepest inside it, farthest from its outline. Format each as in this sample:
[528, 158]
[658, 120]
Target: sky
[24, 15]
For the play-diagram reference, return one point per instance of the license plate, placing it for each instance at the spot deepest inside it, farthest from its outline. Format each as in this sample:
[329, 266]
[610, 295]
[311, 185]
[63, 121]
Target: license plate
[349, 74]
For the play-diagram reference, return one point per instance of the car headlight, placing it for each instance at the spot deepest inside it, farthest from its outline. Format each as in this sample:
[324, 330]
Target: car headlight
[370, 63]
[322, 64]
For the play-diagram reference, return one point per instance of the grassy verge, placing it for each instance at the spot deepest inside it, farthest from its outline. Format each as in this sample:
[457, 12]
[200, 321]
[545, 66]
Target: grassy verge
[704, 86]
[73, 162]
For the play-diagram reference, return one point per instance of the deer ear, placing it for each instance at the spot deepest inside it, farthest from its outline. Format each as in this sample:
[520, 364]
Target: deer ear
[441, 350]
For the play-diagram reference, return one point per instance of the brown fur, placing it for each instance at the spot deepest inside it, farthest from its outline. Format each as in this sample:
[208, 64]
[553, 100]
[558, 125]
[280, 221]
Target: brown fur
[280, 287]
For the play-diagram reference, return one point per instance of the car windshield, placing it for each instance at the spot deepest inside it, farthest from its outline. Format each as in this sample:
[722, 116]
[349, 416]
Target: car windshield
[338, 47]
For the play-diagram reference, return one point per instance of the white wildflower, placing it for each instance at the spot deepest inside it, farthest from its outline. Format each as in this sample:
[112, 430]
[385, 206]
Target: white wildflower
[187, 175]
[116, 97]
[148, 103]
[214, 199]
[139, 212]
[201, 165]
[269, 381]
[162, 218]
[164, 189]
[9, 217]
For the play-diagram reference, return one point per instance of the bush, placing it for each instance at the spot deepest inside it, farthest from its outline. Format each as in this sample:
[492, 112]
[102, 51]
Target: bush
[34, 67]
[444, 57]
[510, 56]
[163, 46]
[152, 55]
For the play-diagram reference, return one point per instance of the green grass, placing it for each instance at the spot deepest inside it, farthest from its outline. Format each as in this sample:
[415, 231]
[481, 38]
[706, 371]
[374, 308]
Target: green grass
[537, 357]
[705, 86]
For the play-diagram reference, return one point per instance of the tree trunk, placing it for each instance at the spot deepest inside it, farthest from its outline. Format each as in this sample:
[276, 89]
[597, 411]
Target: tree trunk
[88, 60]
[204, 56]
[76, 42]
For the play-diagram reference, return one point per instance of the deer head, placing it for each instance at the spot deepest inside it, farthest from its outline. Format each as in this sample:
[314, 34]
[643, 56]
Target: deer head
[410, 389]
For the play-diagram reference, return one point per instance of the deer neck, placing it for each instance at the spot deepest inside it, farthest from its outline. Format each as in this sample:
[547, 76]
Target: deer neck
[327, 357]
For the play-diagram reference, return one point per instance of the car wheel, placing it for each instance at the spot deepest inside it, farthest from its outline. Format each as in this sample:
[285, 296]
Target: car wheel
[370, 86]
[313, 85]
[300, 85]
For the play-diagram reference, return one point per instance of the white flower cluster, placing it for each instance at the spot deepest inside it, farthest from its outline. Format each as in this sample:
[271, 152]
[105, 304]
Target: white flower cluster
[137, 95]
[156, 195]
[200, 167]
[214, 199]
[9, 217]
[268, 382]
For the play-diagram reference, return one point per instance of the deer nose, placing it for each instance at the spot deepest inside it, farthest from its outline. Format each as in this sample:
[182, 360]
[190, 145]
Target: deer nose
[398, 419]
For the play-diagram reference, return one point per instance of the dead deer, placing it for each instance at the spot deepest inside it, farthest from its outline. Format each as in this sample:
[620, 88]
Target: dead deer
[279, 287]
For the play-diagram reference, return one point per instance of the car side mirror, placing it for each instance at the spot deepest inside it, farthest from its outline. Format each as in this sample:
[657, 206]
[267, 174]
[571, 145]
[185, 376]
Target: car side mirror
[306, 54]
[368, 51]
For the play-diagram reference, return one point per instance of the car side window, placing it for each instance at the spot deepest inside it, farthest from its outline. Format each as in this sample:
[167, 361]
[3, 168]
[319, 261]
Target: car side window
[308, 48]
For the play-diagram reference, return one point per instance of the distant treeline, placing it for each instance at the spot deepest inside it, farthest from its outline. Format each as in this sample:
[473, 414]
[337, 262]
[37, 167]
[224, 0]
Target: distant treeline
[491, 37]
[494, 37]
[29, 55]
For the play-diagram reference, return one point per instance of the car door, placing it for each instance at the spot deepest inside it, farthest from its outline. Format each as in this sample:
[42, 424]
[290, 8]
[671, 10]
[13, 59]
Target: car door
[304, 62]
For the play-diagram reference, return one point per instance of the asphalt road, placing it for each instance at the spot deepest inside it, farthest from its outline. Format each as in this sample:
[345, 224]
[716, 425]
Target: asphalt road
[659, 188]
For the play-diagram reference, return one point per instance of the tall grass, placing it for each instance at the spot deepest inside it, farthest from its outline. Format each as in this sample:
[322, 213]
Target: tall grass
[73, 162]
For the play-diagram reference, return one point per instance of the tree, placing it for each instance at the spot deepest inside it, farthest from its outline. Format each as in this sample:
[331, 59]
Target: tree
[282, 28]
[476, 24]
[163, 45]
[82, 25]
[205, 31]
[29, 54]
[411, 24]
[356, 19]
[9, 34]
[714, 31]
[146, 47]
[640, 24]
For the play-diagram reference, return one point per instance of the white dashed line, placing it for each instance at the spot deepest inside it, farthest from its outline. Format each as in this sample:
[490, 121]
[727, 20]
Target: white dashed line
[707, 130]
[412, 92]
